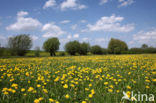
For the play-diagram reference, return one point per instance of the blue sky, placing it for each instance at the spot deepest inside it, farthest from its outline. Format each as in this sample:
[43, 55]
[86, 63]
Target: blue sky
[93, 21]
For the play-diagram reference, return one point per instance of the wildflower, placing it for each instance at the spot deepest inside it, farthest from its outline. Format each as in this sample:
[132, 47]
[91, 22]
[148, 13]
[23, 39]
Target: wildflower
[5, 93]
[65, 86]
[147, 87]
[86, 89]
[110, 90]
[90, 85]
[36, 101]
[22, 90]
[92, 91]
[13, 91]
[45, 91]
[111, 86]
[128, 93]
[128, 87]
[41, 98]
[83, 102]
[38, 85]
[90, 95]
[51, 100]
[30, 89]
[105, 83]
[67, 96]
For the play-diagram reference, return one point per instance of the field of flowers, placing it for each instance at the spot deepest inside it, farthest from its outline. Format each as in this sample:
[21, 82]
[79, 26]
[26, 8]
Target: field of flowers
[76, 79]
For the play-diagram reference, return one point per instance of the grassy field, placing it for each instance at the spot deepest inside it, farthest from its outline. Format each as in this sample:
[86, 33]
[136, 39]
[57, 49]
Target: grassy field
[76, 79]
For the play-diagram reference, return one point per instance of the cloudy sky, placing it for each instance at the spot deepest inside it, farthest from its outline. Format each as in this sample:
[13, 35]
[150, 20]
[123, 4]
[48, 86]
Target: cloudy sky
[94, 21]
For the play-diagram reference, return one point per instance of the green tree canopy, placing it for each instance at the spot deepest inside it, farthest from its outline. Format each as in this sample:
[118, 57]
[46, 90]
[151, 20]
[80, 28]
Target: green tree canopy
[144, 46]
[96, 49]
[117, 46]
[51, 45]
[84, 48]
[20, 44]
[72, 47]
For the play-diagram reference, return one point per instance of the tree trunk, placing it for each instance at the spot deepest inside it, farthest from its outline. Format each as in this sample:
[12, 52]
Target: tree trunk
[51, 54]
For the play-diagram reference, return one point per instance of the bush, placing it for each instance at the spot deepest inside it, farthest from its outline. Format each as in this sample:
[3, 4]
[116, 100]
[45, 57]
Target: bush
[72, 47]
[51, 45]
[84, 48]
[96, 49]
[116, 46]
[61, 53]
[20, 44]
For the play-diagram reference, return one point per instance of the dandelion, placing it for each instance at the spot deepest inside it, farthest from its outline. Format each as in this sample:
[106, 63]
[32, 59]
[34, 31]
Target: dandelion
[65, 86]
[22, 90]
[67, 96]
[83, 102]
[51, 100]
[110, 90]
[30, 89]
[45, 91]
[90, 95]
[38, 85]
[36, 101]
[147, 87]
[105, 83]
[128, 87]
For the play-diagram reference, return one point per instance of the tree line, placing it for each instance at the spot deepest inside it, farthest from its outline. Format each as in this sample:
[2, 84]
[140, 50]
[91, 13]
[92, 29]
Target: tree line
[21, 44]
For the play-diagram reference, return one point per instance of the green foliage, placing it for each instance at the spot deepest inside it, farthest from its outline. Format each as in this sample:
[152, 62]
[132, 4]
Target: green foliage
[84, 48]
[144, 46]
[116, 46]
[51, 45]
[96, 49]
[61, 53]
[19, 44]
[142, 50]
[37, 51]
[72, 47]
[104, 51]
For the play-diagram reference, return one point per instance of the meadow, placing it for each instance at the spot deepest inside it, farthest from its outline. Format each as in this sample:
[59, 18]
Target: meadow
[76, 79]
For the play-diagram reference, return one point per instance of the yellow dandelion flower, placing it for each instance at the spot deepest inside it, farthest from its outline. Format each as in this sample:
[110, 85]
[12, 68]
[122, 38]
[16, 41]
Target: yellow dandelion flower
[65, 86]
[51, 100]
[22, 90]
[67, 96]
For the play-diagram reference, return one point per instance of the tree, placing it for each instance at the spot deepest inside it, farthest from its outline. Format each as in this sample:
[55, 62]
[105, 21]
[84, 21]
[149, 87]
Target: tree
[72, 47]
[51, 45]
[20, 44]
[96, 49]
[144, 46]
[117, 46]
[84, 48]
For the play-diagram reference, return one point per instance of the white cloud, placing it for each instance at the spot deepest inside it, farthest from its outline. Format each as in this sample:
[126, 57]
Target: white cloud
[69, 37]
[22, 14]
[148, 37]
[2, 37]
[110, 24]
[125, 2]
[71, 4]
[52, 30]
[83, 21]
[24, 23]
[101, 39]
[34, 37]
[49, 3]
[76, 36]
[103, 2]
[65, 21]
[85, 39]
[73, 27]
